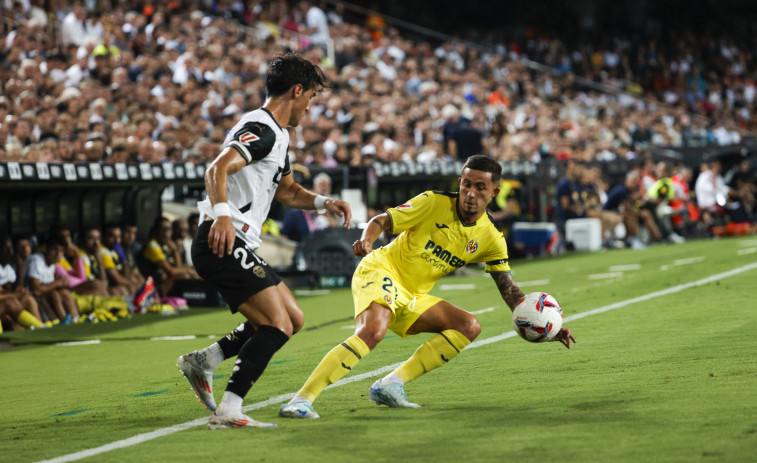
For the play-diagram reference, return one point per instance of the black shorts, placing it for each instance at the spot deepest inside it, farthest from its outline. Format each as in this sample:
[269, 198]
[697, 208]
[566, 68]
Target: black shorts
[238, 275]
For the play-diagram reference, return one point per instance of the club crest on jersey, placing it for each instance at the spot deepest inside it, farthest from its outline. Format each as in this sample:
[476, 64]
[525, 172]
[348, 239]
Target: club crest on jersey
[405, 206]
[258, 271]
[247, 138]
[388, 299]
[471, 247]
[245, 227]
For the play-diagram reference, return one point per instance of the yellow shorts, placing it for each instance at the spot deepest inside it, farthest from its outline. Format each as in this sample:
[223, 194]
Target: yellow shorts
[379, 284]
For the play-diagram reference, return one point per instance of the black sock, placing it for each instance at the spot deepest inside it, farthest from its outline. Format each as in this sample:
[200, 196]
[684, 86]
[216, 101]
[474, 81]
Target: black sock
[254, 357]
[232, 343]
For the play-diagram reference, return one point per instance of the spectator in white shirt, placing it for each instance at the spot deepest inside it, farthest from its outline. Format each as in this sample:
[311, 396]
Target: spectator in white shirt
[72, 29]
[50, 286]
[316, 23]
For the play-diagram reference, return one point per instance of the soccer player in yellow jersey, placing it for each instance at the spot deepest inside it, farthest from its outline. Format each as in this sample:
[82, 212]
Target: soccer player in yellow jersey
[438, 232]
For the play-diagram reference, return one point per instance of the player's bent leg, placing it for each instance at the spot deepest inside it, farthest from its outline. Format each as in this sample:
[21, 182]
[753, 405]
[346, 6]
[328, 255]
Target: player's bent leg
[371, 326]
[198, 366]
[266, 311]
[456, 328]
[296, 316]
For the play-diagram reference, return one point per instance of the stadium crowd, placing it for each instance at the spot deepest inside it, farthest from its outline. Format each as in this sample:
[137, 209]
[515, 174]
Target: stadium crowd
[164, 82]
[105, 81]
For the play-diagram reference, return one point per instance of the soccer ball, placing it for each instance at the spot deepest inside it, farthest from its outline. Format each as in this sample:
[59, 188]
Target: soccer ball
[538, 317]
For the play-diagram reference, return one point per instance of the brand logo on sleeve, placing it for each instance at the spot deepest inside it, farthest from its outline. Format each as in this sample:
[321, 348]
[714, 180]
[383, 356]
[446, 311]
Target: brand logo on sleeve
[248, 137]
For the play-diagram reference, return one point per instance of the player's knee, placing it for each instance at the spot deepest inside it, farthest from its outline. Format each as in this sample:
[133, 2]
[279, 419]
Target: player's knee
[297, 318]
[371, 337]
[285, 325]
[470, 328]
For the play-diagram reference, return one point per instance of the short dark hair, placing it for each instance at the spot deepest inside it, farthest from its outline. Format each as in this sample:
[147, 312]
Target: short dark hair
[485, 164]
[288, 70]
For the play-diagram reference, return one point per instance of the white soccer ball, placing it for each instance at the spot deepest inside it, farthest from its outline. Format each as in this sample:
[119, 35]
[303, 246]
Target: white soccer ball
[538, 317]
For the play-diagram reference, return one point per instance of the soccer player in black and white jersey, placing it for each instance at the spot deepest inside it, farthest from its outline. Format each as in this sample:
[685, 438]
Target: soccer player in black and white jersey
[252, 170]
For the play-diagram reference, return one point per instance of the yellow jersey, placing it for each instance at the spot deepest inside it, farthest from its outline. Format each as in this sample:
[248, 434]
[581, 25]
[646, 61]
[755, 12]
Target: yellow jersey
[433, 241]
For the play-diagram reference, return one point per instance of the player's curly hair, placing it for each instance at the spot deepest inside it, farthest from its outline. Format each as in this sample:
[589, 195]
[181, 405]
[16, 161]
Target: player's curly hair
[291, 69]
[485, 164]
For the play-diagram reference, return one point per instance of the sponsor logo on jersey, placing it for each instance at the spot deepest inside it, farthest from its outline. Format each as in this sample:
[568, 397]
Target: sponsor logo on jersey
[442, 225]
[471, 247]
[405, 206]
[247, 138]
[443, 255]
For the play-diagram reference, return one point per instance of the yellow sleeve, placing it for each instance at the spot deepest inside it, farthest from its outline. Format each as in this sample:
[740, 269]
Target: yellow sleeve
[64, 263]
[497, 259]
[153, 252]
[108, 261]
[411, 213]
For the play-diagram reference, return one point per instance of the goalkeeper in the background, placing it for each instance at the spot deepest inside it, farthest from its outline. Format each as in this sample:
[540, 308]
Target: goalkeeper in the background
[439, 232]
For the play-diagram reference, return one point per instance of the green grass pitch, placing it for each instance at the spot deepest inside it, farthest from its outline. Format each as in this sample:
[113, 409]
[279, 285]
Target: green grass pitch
[666, 371]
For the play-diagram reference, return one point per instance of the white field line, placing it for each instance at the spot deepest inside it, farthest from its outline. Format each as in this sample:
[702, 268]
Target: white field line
[624, 268]
[173, 338]
[77, 343]
[745, 251]
[311, 292]
[460, 287]
[488, 309]
[148, 436]
[605, 276]
[748, 243]
[690, 260]
[524, 284]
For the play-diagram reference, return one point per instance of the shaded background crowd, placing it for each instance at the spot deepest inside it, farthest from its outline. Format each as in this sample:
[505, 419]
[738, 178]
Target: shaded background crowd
[113, 81]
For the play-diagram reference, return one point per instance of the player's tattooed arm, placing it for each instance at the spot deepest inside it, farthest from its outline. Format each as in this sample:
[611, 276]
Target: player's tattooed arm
[508, 289]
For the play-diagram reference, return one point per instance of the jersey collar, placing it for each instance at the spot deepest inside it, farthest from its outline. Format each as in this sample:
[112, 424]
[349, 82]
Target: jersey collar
[272, 118]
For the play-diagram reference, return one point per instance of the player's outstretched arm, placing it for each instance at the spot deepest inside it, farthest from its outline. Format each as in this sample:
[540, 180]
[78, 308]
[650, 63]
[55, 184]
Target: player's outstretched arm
[512, 295]
[508, 289]
[292, 194]
[375, 227]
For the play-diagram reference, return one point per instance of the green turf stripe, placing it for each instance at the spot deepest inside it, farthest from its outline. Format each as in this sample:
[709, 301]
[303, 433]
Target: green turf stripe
[149, 393]
[72, 412]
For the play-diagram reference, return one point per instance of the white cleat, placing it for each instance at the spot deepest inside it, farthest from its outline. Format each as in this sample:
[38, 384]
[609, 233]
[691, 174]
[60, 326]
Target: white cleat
[235, 421]
[300, 410]
[199, 378]
[392, 395]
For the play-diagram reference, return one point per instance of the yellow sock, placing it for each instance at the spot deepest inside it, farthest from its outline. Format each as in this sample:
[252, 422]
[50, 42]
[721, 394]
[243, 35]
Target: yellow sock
[334, 365]
[432, 354]
[27, 320]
